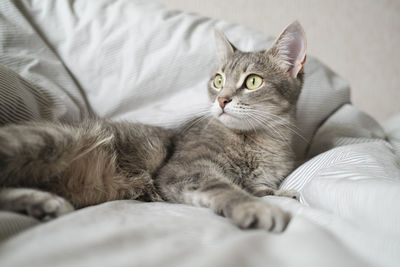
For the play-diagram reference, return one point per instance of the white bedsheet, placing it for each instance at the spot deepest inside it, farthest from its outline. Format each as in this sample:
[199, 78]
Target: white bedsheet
[135, 60]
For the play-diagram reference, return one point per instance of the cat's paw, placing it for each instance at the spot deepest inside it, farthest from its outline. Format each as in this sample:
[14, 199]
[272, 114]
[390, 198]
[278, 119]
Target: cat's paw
[258, 214]
[40, 205]
[46, 206]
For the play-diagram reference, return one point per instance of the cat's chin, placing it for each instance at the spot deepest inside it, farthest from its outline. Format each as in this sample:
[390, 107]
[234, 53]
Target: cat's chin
[233, 122]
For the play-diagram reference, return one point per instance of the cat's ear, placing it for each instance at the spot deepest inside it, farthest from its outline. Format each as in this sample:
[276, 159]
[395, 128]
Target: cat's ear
[290, 49]
[224, 48]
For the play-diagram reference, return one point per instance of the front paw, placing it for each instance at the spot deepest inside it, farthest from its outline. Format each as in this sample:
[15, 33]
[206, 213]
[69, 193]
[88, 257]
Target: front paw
[258, 214]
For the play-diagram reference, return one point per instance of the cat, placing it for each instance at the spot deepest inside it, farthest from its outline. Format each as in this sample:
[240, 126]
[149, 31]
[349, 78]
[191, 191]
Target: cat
[224, 161]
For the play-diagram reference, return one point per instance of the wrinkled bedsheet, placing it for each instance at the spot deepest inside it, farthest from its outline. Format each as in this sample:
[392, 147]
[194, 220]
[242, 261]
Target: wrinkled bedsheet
[136, 60]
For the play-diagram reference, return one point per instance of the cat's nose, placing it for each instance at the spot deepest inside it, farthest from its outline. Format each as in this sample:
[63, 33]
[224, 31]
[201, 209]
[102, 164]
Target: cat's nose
[223, 101]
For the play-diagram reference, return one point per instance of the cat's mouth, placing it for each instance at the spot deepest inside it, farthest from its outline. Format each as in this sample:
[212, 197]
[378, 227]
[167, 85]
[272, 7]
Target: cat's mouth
[231, 121]
[226, 115]
[223, 113]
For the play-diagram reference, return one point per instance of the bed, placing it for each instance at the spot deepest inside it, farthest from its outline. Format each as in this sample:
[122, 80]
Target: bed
[136, 60]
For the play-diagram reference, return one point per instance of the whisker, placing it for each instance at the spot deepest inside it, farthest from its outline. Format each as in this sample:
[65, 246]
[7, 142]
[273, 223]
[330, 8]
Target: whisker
[282, 140]
[191, 123]
[250, 124]
[286, 123]
[265, 112]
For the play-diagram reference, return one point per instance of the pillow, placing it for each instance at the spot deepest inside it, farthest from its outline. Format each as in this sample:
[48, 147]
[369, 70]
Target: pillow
[46, 89]
[21, 100]
[392, 129]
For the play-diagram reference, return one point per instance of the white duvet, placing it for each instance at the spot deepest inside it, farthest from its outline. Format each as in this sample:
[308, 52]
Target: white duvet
[136, 60]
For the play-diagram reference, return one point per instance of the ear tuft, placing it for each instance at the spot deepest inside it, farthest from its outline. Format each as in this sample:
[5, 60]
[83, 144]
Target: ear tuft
[290, 49]
[224, 48]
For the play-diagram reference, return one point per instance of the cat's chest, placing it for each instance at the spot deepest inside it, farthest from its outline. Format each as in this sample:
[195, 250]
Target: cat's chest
[247, 160]
[240, 157]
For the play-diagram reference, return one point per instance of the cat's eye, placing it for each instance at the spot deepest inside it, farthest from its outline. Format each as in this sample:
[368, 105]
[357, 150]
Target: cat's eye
[218, 81]
[253, 82]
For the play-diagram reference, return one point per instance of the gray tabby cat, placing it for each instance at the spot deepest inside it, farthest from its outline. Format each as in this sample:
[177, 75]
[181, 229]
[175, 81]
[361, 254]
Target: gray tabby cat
[225, 161]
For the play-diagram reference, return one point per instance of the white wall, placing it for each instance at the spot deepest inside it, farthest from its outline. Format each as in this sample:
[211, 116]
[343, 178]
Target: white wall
[358, 39]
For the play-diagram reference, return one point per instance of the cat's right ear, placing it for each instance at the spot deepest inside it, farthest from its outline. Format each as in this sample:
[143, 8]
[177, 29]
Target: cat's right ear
[224, 48]
[290, 49]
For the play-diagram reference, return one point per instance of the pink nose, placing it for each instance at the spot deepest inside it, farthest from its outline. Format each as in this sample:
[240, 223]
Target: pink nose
[223, 101]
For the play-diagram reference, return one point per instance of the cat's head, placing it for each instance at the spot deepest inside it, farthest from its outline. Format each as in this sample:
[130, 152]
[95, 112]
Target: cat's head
[250, 90]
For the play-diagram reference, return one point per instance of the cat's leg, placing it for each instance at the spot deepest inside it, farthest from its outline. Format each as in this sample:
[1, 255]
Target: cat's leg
[75, 162]
[195, 187]
[88, 164]
[234, 203]
[38, 204]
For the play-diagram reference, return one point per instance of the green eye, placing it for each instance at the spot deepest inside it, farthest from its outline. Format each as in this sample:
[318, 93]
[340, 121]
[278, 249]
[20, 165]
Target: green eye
[218, 81]
[253, 82]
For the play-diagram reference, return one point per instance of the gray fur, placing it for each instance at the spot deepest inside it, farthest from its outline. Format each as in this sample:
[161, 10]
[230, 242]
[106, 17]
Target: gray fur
[224, 160]
[89, 163]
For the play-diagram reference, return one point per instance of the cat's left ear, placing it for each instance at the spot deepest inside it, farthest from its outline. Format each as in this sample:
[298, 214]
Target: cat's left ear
[290, 49]
[224, 48]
